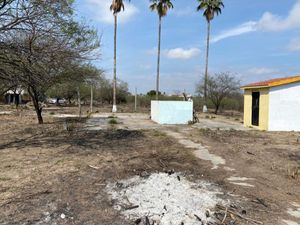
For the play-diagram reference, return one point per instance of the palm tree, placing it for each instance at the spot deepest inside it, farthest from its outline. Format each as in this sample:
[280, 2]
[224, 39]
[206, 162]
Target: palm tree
[116, 7]
[210, 8]
[161, 7]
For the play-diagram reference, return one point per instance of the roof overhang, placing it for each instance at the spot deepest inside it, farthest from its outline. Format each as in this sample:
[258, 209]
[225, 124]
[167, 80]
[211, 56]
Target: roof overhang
[272, 83]
[253, 87]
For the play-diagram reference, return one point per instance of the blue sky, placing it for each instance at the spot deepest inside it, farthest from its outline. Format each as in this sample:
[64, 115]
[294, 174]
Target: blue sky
[253, 39]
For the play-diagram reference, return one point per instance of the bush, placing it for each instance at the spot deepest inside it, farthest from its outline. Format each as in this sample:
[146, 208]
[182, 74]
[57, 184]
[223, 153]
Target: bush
[113, 121]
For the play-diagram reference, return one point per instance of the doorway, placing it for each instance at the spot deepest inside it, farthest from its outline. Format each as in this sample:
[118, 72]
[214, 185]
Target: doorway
[255, 108]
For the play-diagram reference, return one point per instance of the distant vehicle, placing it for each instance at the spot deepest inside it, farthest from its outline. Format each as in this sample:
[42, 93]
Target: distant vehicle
[51, 100]
[54, 101]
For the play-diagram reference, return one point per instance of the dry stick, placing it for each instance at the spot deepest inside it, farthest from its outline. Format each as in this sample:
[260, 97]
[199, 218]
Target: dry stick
[239, 215]
[198, 218]
[162, 163]
[149, 167]
[94, 167]
[131, 207]
[225, 215]
[30, 196]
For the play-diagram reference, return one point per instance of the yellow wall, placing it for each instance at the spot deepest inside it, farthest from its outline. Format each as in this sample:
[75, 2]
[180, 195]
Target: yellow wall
[263, 108]
[247, 107]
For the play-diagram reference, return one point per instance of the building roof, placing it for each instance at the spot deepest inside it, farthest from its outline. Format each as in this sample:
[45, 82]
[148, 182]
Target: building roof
[272, 82]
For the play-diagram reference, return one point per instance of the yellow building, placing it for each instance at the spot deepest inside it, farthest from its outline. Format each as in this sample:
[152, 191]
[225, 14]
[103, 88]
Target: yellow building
[273, 105]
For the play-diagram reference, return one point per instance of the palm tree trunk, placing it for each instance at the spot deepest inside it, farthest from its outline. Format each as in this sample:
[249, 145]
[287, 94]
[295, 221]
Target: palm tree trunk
[158, 58]
[206, 67]
[114, 109]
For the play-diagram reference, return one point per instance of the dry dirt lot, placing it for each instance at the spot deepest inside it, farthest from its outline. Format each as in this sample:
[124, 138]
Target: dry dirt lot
[50, 175]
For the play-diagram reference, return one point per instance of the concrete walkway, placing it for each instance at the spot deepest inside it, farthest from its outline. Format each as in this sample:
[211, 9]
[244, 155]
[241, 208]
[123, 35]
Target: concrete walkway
[141, 121]
[215, 124]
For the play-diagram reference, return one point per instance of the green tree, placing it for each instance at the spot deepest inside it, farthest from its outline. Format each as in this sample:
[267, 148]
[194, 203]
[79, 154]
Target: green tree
[161, 7]
[116, 7]
[152, 93]
[219, 87]
[210, 8]
[82, 76]
[37, 53]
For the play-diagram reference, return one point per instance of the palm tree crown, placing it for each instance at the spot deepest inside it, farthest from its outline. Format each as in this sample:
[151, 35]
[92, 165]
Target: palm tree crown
[210, 7]
[117, 6]
[161, 6]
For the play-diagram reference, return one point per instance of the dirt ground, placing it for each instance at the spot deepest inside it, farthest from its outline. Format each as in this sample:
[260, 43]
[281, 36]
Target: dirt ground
[50, 174]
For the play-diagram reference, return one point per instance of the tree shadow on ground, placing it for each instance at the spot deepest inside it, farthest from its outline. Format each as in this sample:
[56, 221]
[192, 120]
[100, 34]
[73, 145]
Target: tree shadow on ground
[80, 138]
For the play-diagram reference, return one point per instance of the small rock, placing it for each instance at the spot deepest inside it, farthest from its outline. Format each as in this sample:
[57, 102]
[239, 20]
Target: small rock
[47, 219]
[138, 221]
[145, 174]
[63, 216]
[119, 185]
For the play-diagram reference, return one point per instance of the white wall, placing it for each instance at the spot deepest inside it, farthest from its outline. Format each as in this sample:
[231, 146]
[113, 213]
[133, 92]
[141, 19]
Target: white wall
[171, 112]
[284, 108]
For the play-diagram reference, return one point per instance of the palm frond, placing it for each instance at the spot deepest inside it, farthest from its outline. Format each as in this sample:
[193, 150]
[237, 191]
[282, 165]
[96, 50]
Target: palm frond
[117, 6]
[161, 6]
[210, 8]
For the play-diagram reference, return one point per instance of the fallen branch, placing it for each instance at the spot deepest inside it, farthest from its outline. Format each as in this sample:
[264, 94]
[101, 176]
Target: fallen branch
[239, 215]
[30, 196]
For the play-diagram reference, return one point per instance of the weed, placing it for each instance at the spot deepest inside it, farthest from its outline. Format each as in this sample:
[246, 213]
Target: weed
[4, 178]
[294, 172]
[157, 133]
[113, 121]
[191, 122]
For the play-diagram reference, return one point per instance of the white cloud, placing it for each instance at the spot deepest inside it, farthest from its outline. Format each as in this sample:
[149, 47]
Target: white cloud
[183, 11]
[294, 45]
[268, 23]
[262, 71]
[271, 22]
[239, 30]
[151, 51]
[180, 53]
[100, 11]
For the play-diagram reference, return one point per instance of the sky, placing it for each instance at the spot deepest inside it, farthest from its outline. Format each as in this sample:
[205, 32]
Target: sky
[254, 40]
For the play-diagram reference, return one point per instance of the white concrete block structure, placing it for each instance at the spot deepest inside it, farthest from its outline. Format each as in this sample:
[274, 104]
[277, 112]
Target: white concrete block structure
[171, 112]
[273, 105]
[284, 107]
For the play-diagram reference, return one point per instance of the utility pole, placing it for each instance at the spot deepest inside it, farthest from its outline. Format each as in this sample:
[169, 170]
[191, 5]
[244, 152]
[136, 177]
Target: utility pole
[135, 100]
[79, 101]
[92, 99]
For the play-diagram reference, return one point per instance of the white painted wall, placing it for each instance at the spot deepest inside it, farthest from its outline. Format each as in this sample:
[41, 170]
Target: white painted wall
[284, 108]
[171, 112]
